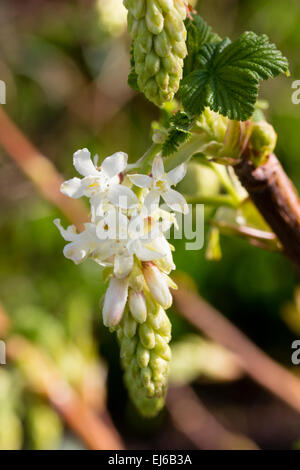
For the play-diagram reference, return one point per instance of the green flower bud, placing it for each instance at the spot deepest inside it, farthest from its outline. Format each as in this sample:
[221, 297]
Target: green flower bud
[130, 325]
[145, 353]
[128, 346]
[158, 32]
[143, 356]
[262, 142]
[147, 336]
[160, 322]
[162, 348]
[154, 17]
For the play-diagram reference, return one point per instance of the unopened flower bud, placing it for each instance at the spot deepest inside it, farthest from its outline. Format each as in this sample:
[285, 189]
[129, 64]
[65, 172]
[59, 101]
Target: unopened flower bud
[157, 284]
[130, 325]
[162, 348]
[115, 301]
[137, 306]
[143, 356]
[128, 346]
[147, 336]
[262, 142]
[158, 32]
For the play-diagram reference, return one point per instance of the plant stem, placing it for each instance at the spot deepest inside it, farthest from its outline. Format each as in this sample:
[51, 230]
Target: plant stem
[227, 184]
[276, 199]
[218, 200]
[186, 151]
[146, 160]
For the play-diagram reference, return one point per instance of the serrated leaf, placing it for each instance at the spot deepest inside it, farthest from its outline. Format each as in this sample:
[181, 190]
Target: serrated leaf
[228, 75]
[198, 34]
[181, 121]
[254, 53]
[179, 132]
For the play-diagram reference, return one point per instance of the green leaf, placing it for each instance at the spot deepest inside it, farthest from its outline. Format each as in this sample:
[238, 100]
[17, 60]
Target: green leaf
[179, 132]
[228, 75]
[198, 34]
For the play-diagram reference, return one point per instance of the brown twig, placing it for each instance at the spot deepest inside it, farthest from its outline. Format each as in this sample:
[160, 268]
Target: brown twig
[191, 418]
[45, 379]
[39, 169]
[260, 238]
[276, 199]
[253, 360]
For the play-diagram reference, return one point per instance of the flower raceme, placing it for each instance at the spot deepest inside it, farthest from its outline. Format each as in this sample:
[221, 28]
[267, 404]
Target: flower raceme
[126, 235]
[158, 32]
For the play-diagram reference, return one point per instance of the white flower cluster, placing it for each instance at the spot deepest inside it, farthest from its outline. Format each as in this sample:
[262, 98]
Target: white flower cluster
[126, 231]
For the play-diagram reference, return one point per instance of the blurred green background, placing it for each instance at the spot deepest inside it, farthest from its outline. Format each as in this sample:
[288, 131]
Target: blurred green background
[65, 65]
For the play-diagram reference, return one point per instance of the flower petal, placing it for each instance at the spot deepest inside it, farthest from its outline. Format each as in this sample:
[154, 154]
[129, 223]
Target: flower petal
[158, 170]
[175, 201]
[176, 175]
[115, 301]
[123, 265]
[142, 181]
[68, 234]
[76, 251]
[123, 197]
[83, 163]
[166, 263]
[103, 251]
[151, 201]
[114, 226]
[72, 188]
[145, 252]
[136, 227]
[96, 202]
[114, 164]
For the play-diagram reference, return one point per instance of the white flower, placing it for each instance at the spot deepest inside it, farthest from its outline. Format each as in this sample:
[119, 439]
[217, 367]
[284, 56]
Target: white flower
[81, 244]
[85, 244]
[138, 236]
[100, 184]
[159, 184]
